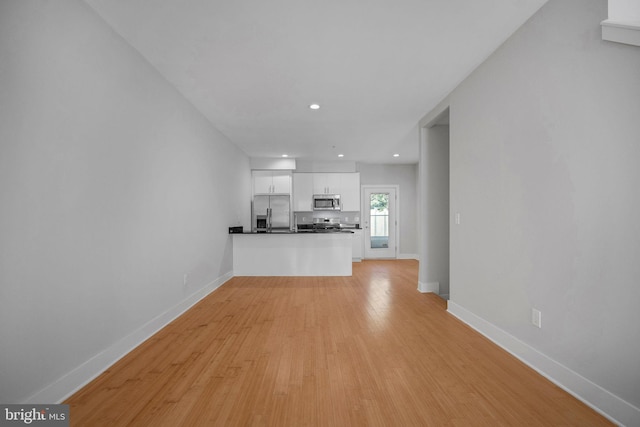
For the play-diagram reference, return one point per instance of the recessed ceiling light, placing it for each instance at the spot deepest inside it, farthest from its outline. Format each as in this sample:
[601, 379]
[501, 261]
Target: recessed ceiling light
[396, 155]
[314, 106]
[285, 155]
[340, 155]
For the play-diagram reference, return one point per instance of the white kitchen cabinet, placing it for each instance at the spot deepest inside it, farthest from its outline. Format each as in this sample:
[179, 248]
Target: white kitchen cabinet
[271, 182]
[357, 245]
[282, 182]
[297, 254]
[302, 192]
[347, 185]
[262, 182]
[326, 183]
[350, 191]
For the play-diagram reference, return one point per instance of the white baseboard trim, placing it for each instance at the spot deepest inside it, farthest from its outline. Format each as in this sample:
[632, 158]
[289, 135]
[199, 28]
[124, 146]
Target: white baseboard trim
[408, 256]
[73, 381]
[429, 287]
[601, 400]
[621, 32]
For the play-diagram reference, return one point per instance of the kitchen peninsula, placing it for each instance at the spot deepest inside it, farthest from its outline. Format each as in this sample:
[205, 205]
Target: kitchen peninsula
[292, 254]
[302, 223]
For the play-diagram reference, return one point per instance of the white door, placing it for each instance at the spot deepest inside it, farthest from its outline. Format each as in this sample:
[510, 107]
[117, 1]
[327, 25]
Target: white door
[380, 226]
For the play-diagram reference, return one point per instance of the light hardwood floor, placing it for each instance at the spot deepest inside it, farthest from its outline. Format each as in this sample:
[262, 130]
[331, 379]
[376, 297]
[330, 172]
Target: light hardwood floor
[367, 350]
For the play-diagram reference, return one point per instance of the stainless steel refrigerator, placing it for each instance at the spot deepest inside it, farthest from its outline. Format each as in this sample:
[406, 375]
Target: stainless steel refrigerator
[271, 213]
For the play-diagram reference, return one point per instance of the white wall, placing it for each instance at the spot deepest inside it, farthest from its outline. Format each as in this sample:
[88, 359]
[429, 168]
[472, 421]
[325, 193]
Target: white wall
[624, 10]
[305, 165]
[405, 176]
[112, 187]
[544, 171]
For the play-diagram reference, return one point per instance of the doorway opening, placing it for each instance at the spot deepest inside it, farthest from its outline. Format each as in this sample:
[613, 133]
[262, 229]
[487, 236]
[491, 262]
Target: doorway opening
[380, 215]
[434, 221]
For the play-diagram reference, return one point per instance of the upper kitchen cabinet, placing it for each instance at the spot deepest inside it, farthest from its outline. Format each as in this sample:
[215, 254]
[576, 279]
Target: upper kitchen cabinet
[271, 182]
[302, 192]
[305, 185]
[350, 191]
[326, 183]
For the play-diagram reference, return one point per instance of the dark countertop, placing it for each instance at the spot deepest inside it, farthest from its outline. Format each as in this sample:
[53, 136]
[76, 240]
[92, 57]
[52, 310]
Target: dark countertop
[298, 232]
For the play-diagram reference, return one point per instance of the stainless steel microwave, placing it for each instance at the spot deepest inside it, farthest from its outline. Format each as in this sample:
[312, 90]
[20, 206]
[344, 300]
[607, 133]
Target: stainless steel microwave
[326, 202]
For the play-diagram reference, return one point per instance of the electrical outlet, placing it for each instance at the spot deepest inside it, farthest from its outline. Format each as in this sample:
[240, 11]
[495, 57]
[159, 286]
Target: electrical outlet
[457, 218]
[536, 317]
[185, 279]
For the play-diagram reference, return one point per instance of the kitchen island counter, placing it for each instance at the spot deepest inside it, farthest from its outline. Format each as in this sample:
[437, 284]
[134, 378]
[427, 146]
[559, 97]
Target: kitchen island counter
[292, 254]
[302, 233]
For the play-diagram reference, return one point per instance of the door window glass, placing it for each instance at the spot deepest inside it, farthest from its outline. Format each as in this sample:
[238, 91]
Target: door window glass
[379, 220]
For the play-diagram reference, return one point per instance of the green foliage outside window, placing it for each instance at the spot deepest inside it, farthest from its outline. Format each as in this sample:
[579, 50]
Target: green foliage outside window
[380, 202]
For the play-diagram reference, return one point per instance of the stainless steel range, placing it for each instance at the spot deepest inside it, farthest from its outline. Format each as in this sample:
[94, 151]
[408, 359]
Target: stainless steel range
[320, 225]
[326, 224]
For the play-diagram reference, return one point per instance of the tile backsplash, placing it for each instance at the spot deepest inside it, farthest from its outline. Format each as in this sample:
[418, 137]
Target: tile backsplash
[345, 217]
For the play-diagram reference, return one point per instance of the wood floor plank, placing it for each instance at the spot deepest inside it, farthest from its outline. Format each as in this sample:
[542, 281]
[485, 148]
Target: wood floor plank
[366, 350]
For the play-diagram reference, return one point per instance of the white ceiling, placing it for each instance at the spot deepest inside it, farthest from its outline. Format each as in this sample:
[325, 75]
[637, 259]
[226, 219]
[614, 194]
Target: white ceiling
[376, 67]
